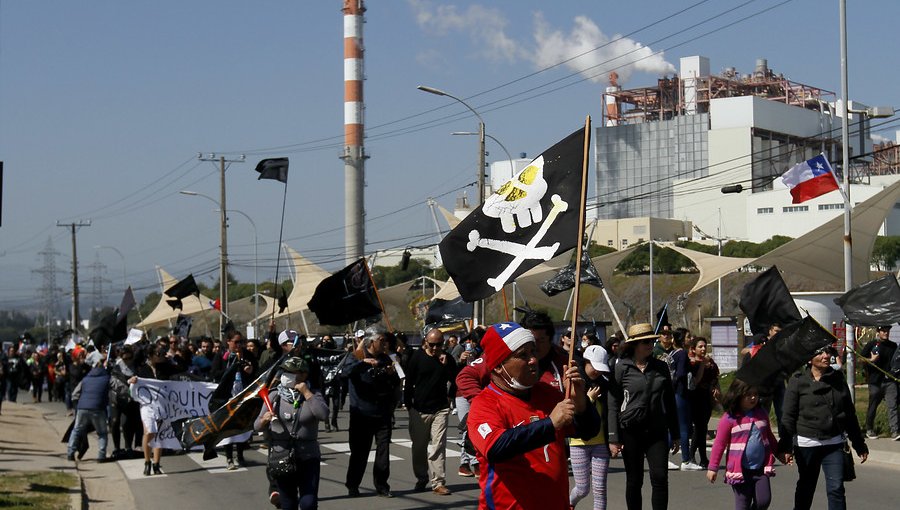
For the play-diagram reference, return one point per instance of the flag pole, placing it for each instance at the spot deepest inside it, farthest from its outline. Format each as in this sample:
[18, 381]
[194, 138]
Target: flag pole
[384, 313]
[278, 256]
[578, 243]
[505, 304]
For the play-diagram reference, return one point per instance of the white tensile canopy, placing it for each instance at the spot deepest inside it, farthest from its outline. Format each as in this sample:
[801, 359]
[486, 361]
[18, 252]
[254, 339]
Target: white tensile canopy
[712, 267]
[306, 277]
[819, 254]
[163, 314]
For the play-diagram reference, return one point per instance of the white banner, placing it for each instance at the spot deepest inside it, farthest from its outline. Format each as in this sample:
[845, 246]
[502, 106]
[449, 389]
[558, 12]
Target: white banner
[171, 401]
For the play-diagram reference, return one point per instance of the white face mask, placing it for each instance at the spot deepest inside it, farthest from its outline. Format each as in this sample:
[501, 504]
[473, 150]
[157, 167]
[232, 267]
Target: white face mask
[288, 380]
[584, 344]
[512, 382]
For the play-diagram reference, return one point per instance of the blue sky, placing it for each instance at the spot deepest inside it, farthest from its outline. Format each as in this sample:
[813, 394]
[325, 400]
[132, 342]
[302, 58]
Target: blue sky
[104, 106]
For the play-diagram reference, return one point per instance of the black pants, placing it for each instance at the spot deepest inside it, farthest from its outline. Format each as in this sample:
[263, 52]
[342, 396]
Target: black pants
[363, 429]
[301, 489]
[636, 445]
[701, 410]
[333, 399]
[126, 419]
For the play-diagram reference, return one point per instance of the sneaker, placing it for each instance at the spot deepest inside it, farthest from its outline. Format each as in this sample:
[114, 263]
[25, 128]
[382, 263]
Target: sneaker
[673, 466]
[896, 437]
[275, 499]
[476, 470]
[690, 466]
[441, 490]
[384, 493]
[231, 466]
[465, 471]
[871, 434]
[70, 456]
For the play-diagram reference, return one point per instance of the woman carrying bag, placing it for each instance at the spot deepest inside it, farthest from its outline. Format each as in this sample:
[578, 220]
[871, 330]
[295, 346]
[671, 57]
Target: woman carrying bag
[294, 455]
[819, 417]
[642, 417]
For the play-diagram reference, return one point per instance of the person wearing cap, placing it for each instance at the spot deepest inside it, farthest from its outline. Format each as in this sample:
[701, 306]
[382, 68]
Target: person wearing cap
[239, 363]
[294, 422]
[426, 395]
[819, 418]
[91, 408]
[879, 353]
[590, 457]
[519, 427]
[373, 381]
[642, 417]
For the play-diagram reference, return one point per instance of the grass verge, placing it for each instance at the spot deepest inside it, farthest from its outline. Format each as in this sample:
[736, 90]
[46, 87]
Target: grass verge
[46, 490]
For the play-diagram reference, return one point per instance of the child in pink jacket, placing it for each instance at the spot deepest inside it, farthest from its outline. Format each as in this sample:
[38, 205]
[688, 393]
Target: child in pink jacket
[745, 433]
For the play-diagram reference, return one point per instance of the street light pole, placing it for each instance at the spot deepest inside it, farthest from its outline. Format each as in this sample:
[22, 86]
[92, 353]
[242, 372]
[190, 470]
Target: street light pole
[479, 311]
[850, 334]
[255, 273]
[113, 248]
[508, 155]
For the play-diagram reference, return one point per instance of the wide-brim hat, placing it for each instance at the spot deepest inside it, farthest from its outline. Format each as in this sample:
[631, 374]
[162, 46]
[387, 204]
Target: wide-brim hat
[641, 331]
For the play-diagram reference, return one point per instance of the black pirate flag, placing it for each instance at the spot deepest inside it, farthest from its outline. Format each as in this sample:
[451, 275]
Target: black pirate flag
[528, 220]
[345, 296]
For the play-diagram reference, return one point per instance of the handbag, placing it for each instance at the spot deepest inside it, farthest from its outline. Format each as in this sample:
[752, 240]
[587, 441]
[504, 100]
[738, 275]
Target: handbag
[281, 462]
[849, 469]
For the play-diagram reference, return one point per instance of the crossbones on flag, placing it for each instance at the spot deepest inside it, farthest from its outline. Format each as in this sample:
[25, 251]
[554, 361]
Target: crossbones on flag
[530, 219]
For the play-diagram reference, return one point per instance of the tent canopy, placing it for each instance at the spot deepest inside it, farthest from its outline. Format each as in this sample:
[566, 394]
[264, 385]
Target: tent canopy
[306, 277]
[163, 314]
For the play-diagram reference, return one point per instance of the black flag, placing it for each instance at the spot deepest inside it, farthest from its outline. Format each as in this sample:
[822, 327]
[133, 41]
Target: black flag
[345, 296]
[105, 332]
[275, 168]
[128, 303]
[787, 351]
[181, 290]
[528, 220]
[282, 300]
[183, 325]
[767, 300]
[662, 318]
[565, 278]
[441, 311]
[873, 303]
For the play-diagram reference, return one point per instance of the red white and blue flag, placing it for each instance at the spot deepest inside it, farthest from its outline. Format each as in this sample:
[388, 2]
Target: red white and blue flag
[812, 178]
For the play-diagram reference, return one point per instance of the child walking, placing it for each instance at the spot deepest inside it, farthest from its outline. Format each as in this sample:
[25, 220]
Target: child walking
[745, 433]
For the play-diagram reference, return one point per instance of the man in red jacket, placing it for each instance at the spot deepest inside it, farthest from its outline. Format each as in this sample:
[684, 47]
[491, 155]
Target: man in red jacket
[518, 426]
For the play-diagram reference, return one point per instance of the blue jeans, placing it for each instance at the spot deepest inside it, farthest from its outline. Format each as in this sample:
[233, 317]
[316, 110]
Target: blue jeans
[809, 461]
[462, 410]
[683, 405]
[82, 417]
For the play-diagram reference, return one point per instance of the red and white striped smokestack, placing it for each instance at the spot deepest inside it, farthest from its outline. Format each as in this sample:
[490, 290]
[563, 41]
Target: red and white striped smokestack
[354, 155]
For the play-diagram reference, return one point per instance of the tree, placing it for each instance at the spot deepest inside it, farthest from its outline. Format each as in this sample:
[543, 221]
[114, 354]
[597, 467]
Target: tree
[385, 276]
[886, 252]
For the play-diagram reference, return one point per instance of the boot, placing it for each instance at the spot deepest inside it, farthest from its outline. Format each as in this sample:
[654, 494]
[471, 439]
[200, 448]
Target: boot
[157, 469]
[147, 468]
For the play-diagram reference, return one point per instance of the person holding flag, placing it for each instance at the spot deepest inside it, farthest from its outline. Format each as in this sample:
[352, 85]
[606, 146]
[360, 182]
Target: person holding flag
[293, 423]
[519, 427]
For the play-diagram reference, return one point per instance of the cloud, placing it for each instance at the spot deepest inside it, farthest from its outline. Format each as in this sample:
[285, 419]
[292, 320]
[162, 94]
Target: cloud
[623, 55]
[487, 29]
[486, 26]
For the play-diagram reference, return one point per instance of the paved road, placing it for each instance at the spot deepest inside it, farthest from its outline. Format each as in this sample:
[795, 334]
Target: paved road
[190, 482]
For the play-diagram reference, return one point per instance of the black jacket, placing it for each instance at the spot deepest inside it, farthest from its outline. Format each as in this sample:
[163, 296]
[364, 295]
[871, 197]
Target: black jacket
[819, 410]
[371, 387]
[630, 387]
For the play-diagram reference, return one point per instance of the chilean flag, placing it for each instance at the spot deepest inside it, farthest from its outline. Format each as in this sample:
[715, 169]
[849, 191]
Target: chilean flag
[810, 179]
[215, 305]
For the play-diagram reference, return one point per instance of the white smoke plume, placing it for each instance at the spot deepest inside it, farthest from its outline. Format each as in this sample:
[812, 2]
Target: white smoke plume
[487, 27]
[615, 53]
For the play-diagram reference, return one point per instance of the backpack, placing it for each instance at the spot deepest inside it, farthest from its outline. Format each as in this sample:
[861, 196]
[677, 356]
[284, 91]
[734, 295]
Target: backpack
[632, 413]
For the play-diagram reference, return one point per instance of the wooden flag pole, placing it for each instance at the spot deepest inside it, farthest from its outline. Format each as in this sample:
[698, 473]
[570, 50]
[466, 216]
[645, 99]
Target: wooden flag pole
[505, 304]
[384, 313]
[579, 244]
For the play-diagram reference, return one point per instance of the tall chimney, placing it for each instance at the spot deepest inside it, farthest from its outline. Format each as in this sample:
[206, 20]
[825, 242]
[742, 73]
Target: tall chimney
[354, 155]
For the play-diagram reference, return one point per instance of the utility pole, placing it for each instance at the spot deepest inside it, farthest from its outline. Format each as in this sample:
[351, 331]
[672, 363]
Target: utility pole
[49, 291]
[73, 228]
[223, 246]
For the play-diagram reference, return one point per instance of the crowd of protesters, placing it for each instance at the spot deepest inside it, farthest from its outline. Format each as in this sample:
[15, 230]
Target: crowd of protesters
[642, 396]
